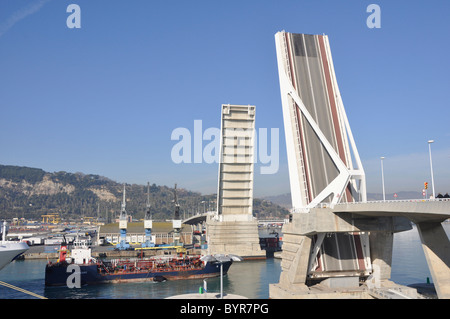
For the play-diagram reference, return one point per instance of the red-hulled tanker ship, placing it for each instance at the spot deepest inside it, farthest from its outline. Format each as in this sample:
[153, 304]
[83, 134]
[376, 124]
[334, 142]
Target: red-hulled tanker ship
[158, 268]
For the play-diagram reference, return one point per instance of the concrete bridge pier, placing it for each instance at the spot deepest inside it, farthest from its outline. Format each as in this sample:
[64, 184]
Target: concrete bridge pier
[381, 247]
[436, 246]
[235, 237]
[300, 248]
[294, 265]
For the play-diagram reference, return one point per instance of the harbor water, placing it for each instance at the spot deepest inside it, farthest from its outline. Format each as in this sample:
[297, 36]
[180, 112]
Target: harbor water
[250, 278]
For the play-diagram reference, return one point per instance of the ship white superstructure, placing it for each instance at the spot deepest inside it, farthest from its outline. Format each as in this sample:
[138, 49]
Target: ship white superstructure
[9, 250]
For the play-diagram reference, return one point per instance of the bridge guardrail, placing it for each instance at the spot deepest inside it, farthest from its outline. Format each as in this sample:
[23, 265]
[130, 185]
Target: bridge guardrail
[399, 201]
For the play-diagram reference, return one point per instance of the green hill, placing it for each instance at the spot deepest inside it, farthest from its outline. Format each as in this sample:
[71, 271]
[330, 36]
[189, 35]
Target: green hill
[31, 192]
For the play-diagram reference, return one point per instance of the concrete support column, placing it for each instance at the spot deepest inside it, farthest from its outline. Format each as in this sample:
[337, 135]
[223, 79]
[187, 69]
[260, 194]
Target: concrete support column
[239, 238]
[381, 245]
[295, 260]
[294, 265]
[436, 246]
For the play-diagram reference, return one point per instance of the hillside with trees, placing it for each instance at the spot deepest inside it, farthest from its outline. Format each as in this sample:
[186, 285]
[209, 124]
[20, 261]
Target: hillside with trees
[31, 192]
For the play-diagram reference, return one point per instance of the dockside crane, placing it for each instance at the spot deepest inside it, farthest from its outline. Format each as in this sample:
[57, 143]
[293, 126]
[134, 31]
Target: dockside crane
[123, 220]
[148, 222]
[176, 222]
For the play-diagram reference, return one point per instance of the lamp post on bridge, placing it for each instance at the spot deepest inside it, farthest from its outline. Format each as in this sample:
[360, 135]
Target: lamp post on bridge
[431, 166]
[204, 206]
[382, 178]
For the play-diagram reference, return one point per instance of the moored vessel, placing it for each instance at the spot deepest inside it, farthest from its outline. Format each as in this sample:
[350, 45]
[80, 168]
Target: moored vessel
[9, 250]
[158, 268]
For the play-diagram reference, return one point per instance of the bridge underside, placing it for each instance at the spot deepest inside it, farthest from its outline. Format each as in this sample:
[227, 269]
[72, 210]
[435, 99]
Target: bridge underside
[302, 235]
[428, 216]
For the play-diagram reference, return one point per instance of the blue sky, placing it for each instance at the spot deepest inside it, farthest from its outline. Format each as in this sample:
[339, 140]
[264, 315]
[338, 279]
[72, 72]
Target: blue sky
[105, 98]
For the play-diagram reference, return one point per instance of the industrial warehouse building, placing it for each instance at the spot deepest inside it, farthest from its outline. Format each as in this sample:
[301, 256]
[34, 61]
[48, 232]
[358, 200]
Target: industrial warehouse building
[162, 233]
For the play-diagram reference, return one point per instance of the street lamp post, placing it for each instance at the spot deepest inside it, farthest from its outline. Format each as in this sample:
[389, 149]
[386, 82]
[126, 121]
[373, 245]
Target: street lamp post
[220, 259]
[382, 178]
[204, 206]
[431, 166]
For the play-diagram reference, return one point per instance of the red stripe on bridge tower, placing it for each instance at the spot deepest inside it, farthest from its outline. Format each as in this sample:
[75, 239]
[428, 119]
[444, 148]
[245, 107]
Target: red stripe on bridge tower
[332, 99]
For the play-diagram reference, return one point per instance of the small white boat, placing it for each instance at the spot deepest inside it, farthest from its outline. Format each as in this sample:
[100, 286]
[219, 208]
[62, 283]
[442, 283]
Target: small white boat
[9, 250]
